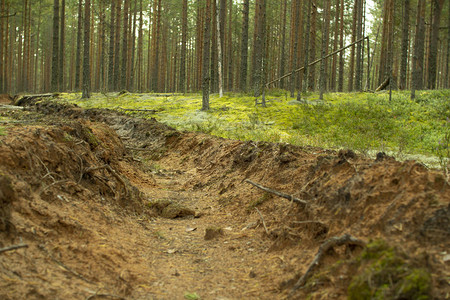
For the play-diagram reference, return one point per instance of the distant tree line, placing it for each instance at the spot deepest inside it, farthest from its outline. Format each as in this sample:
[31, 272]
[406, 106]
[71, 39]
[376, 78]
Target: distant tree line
[178, 45]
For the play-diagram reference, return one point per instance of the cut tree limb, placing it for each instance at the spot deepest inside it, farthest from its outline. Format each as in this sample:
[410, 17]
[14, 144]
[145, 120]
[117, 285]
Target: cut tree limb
[384, 84]
[346, 239]
[316, 61]
[279, 194]
[13, 247]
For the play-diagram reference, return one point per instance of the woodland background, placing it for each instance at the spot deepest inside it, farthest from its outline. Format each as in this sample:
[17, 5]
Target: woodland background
[175, 45]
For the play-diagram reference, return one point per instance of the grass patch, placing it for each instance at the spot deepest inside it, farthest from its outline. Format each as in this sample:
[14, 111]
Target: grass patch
[365, 122]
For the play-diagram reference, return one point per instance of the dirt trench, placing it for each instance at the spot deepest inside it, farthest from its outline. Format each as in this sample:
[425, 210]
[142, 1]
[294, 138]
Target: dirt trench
[111, 206]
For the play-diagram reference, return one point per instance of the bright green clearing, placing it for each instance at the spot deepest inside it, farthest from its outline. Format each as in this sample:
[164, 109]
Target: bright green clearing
[365, 122]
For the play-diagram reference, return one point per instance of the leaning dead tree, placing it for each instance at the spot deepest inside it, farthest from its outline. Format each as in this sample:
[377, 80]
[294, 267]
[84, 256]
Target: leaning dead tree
[316, 61]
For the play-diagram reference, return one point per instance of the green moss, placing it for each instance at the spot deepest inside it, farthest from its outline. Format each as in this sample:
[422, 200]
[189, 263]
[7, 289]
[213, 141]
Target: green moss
[365, 122]
[385, 273]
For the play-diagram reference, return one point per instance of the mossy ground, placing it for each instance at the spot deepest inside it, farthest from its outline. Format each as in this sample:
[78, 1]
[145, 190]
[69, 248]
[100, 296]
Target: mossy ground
[365, 122]
[385, 273]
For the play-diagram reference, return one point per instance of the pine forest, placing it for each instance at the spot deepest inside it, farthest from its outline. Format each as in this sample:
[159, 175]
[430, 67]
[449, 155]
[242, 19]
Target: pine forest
[175, 45]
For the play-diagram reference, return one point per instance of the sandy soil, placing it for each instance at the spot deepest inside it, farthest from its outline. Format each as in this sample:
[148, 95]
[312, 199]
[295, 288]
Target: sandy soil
[111, 206]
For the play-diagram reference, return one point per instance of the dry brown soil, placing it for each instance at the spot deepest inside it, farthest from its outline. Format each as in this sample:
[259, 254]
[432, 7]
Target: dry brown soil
[112, 206]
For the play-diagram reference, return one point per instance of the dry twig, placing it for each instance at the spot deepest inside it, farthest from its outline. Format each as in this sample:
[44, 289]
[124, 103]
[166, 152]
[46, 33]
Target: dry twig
[279, 194]
[263, 222]
[346, 239]
[13, 247]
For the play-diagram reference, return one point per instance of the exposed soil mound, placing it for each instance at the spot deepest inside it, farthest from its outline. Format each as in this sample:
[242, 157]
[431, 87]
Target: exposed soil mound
[121, 207]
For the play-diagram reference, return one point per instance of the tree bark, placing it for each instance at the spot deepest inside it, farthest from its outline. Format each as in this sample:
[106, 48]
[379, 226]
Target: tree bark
[112, 43]
[86, 56]
[341, 54]
[325, 38]
[419, 45]
[309, 44]
[182, 82]
[244, 46]
[206, 55]
[219, 49]
[62, 42]
[433, 47]
[55, 47]
[405, 42]
[123, 77]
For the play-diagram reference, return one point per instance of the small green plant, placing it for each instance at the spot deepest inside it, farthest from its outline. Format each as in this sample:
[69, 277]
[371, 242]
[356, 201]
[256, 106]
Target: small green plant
[191, 296]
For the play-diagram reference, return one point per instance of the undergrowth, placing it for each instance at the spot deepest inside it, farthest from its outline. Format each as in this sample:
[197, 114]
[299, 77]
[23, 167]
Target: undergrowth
[365, 122]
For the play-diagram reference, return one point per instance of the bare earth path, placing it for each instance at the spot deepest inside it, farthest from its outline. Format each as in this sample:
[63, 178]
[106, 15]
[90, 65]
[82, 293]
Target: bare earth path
[115, 207]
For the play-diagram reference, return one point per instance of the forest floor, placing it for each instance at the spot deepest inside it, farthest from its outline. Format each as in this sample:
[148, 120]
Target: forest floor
[107, 206]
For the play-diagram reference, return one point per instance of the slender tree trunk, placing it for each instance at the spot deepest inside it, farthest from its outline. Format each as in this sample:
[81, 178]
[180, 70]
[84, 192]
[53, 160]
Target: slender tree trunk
[258, 47]
[117, 40]
[352, 50]
[335, 45]
[312, 41]
[341, 54]
[140, 61]
[184, 24]
[79, 45]
[405, 42]
[61, 46]
[123, 71]
[112, 43]
[206, 55]
[433, 50]
[230, 47]
[244, 46]
[86, 54]
[309, 48]
[359, 47]
[283, 43]
[219, 49]
[55, 52]
[325, 28]
[294, 44]
[419, 43]
[2, 60]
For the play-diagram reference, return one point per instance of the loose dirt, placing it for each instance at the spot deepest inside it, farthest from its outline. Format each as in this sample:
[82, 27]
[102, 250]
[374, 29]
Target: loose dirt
[112, 206]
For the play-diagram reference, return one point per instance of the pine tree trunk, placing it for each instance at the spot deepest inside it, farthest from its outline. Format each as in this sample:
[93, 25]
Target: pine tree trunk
[55, 47]
[325, 37]
[433, 50]
[61, 46]
[419, 47]
[283, 43]
[405, 42]
[294, 44]
[123, 71]
[206, 55]
[86, 55]
[230, 47]
[182, 82]
[341, 54]
[359, 47]
[140, 61]
[312, 51]
[308, 45]
[258, 47]
[79, 44]
[352, 50]
[335, 44]
[117, 46]
[219, 49]
[2, 60]
[112, 43]
[244, 46]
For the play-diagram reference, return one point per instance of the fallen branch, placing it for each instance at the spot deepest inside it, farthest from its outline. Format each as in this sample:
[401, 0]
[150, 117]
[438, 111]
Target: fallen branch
[262, 219]
[383, 85]
[346, 239]
[111, 170]
[144, 110]
[13, 247]
[279, 194]
[309, 222]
